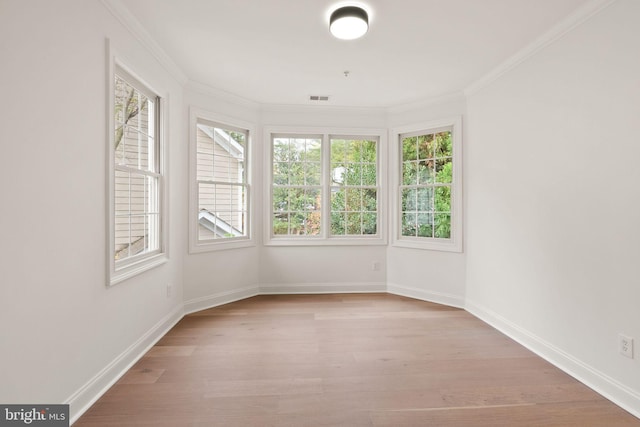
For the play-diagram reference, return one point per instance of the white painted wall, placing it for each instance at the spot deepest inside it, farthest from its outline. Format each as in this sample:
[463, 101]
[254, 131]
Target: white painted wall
[552, 185]
[60, 324]
[432, 275]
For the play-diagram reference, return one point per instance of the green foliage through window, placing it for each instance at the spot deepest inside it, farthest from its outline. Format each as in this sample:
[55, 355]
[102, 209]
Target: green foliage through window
[426, 184]
[298, 183]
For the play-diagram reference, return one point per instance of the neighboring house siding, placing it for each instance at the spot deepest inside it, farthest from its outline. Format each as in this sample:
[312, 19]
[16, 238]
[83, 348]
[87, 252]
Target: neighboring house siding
[131, 145]
[216, 163]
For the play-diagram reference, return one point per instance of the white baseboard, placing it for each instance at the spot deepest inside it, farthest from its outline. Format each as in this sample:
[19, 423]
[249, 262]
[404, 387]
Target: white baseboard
[220, 298]
[431, 296]
[322, 288]
[89, 393]
[601, 383]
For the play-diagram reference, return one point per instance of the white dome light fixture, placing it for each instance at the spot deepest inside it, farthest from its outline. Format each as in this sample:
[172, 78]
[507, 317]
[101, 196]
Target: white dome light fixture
[349, 22]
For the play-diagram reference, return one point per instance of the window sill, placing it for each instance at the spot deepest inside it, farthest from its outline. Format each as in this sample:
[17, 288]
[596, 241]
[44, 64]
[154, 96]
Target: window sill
[222, 245]
[129, 271]
[430, 245]
[335, 241]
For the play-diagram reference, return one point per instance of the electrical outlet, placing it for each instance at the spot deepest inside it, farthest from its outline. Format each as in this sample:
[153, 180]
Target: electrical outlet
[625, 345]
[375, 266]
[169, 290]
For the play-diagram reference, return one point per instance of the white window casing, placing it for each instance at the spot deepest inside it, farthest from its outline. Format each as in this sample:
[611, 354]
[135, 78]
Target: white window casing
[220, 172]
[318, 189]
[403, 187]
[136, 188]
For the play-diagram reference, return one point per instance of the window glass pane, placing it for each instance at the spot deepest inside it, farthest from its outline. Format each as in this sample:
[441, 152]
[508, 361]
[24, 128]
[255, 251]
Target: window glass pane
[338, 223]
[353, 199]
[409, 173]
[425, 225]
[121, 193]
[444, 144]
[312, 150]
[313, 173]
[426, 146]
[121, 229]
[281, 173]
[426, 172]
[444, 170]
[369, 150]
[409, 199]
[353, 174]
[409, 224]
[313, 197]
[296, 173]
[338, 149]
[139, 195]
[139, 233]
[409, 149]
[369, 174]
[280, 199]
[312, 223]
[354, 223]
[281, 150]
[425, 199]
[338, 173]
[281, 223]
[442, 226]
[369, 223]
[370, 200]
[296, 195]
[442, 200]
[337, 200]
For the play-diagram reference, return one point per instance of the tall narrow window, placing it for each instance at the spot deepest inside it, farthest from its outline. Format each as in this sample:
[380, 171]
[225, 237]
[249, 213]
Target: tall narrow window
[297, 186]
[222, 189]
[429, 187]
[427, 167]
[354, 187]
[136, 176]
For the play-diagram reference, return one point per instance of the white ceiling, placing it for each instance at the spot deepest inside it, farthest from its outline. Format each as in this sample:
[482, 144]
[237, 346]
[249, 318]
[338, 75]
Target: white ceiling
[280, 51]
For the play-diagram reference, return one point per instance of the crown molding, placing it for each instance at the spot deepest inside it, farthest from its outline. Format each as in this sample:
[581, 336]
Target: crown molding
[575, 19]
[126, 18]
[221, 95]
[426, 102]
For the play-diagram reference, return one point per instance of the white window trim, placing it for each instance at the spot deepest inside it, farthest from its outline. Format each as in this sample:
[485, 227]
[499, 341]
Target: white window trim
[325, 239]
[117, 274]
[454, 244]
[196, 246]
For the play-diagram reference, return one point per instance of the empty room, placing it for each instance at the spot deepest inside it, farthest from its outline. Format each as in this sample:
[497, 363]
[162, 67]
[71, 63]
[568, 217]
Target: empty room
[320, 213]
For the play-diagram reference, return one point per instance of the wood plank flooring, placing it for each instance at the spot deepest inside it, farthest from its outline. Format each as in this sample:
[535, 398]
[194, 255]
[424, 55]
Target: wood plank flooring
[345, 360]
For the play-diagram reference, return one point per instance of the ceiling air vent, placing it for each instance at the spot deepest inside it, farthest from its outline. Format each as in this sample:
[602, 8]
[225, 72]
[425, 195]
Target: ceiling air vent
[318, 98]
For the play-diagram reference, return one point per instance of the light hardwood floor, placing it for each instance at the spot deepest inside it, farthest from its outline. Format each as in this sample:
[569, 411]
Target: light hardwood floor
[345, 360]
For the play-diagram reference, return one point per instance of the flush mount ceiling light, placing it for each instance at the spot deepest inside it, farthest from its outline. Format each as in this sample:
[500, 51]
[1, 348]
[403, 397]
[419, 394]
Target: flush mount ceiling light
[349, 22]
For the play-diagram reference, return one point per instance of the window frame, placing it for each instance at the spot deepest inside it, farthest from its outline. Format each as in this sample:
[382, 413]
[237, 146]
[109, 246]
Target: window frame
[196, 245]
[137, 264]
[455, 242]
[325, 134]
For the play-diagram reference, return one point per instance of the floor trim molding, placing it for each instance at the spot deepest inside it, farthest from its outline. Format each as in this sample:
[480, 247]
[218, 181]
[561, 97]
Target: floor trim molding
[424, 295]
[322, 288]
[91, 391]
[220, 298]
[618, 393]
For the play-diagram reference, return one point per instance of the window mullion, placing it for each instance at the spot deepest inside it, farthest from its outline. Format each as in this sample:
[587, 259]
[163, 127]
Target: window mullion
[325, 211]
